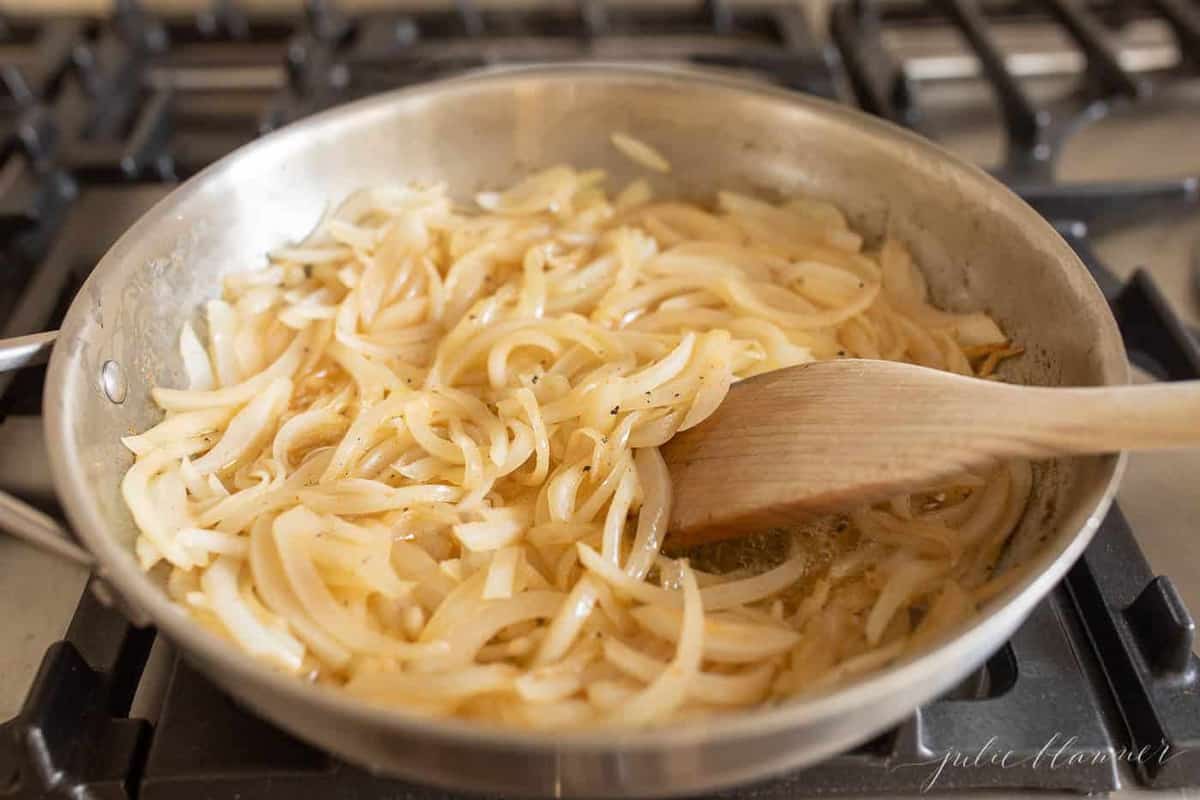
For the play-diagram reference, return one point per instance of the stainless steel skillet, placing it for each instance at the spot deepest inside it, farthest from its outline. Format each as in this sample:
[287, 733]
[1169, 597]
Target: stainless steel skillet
[979, 244]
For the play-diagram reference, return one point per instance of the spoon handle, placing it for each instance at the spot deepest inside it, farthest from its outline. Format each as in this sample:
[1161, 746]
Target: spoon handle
[832, 435]
[1102, 419]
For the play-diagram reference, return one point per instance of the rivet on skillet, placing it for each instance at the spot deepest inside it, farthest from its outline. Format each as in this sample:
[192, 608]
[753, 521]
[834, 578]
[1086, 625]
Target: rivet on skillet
[112, 380]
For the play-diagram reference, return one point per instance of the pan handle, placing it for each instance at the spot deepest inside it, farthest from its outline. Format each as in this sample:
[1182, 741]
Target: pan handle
[26, 351]
[18, 518]
[36, 527]
[40, 529]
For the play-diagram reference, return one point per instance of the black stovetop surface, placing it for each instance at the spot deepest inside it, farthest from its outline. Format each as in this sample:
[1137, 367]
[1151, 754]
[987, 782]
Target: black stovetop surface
[99, 117]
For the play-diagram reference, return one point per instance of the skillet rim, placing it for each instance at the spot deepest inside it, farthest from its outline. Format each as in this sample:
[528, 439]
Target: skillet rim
[116, 566]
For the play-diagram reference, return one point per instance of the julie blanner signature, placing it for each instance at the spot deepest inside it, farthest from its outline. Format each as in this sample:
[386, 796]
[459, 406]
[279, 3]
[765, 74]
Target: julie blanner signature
[1059, 751]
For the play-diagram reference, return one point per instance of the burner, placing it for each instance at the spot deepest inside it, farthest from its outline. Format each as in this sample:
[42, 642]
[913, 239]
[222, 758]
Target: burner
[100, 117]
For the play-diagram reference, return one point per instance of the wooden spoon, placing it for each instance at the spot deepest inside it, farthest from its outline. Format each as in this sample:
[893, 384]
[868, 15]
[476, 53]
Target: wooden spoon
[834, 435]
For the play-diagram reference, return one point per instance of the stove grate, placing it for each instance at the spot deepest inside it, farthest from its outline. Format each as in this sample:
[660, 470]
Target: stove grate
[97, 115]
[1036, 132]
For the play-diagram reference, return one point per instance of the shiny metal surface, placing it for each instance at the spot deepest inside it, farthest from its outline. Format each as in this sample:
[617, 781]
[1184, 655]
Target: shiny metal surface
[17, 517]
[979, 245]
[26, 351]
[40, 529]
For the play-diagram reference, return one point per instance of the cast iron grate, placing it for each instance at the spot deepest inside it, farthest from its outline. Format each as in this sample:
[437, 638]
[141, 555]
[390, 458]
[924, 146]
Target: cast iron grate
[1036, 132]
[100, 114]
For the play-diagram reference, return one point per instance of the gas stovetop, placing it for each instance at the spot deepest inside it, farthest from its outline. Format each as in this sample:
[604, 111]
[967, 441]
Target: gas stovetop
[1098, 691]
